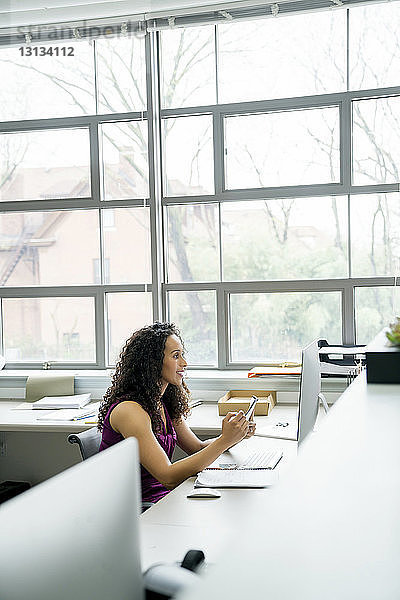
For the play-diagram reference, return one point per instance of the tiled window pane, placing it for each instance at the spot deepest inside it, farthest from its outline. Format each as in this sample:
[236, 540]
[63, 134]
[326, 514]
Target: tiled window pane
[121, 74]
[376, 141]
[188, 156]
[374, 46]
[126, 312]
[44, 164]
[193, 243]
[282, 148]
[188, 66]
[375, 234]
[194, 313]
[275, 58]
[294, 238]
[48, 248]
[127, 244]
[376, 308]
[49, 329]
[41, 87]
[125, 160]
[277, 326]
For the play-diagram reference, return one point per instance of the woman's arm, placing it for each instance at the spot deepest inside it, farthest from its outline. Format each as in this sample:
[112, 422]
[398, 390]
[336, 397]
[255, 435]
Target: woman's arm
[129, 419]
[187, 440]
[190, 443]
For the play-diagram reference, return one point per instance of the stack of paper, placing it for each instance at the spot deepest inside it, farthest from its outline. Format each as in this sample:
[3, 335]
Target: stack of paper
[279, 369]
[75, 401]
[71, 414]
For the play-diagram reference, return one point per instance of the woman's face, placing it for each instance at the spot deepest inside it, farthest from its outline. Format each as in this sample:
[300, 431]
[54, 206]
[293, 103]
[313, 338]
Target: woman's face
[174, 363]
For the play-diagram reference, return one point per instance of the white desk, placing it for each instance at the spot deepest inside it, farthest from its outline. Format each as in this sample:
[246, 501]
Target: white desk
[12, 419]
[177, 523]
[204, 419]
[35, 450]
[331, 529]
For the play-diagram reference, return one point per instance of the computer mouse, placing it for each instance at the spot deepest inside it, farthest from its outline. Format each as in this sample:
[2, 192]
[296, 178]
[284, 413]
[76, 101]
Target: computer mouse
[204, 492]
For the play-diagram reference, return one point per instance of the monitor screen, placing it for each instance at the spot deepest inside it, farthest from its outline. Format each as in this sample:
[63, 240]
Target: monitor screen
[310, 387]
[76, 534]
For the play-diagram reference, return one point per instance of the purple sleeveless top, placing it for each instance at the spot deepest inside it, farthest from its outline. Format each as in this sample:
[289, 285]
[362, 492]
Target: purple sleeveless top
[152, 490]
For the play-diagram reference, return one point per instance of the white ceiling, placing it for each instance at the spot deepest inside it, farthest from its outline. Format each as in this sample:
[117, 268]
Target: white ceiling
[23, 13]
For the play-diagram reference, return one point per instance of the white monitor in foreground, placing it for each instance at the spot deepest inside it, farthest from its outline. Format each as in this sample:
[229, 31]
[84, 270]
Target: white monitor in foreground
[310, 390]
[75, 536]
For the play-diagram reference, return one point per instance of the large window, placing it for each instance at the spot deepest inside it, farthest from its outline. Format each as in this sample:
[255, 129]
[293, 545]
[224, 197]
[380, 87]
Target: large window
[75, 223]
[300, 237]
[240, 178]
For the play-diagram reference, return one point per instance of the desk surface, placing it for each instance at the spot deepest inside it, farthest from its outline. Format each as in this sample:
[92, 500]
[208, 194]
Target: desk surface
[36, 450]
[331, 528]
[177, 523]
[204, 419]
[12, 419]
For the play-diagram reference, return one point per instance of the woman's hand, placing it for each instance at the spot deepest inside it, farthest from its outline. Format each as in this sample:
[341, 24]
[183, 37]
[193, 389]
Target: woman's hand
[235, 428]
[252, 430]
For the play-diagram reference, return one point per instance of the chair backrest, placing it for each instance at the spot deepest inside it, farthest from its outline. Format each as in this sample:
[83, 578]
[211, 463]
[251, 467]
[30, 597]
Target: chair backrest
[88, 441]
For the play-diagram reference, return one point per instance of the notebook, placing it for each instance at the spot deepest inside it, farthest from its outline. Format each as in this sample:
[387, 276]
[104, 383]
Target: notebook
[236, 478]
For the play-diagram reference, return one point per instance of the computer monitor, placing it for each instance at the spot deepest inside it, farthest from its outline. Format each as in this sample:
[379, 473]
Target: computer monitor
[310, 391]
[75, 536]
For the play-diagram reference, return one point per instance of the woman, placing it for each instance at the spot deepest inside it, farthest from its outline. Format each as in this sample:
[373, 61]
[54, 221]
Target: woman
[148, 399]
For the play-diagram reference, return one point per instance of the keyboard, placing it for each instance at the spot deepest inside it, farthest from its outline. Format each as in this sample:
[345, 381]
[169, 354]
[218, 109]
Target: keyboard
[262, 459]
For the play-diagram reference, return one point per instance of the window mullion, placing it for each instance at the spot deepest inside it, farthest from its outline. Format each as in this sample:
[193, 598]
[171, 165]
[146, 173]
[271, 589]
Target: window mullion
[348, 315]
[222, 328]
[100, 334]
[156, 216]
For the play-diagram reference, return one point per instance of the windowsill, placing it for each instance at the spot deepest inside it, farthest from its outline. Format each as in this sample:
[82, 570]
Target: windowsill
[207, 385]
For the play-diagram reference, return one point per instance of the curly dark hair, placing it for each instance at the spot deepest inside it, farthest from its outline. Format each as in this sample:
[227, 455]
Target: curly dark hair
[137, 376]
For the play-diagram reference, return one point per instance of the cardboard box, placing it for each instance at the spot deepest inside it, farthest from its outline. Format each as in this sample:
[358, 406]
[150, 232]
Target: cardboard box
[383, 360]
[235, 400]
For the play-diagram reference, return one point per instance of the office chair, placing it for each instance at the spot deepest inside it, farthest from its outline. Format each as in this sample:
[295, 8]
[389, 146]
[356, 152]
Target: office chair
[88, 441]
[89, 444]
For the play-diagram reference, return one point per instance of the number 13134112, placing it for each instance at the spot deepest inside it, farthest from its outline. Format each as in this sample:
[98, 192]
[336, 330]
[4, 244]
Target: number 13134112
[47, 50]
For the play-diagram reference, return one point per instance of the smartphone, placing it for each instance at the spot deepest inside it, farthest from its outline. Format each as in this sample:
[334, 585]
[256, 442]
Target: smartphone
[249, 412]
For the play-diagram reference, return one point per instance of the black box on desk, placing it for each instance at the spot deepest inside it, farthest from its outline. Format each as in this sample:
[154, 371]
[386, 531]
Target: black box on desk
[383, 360]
